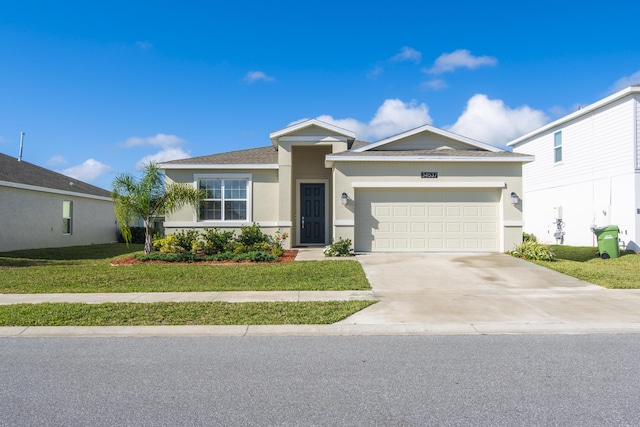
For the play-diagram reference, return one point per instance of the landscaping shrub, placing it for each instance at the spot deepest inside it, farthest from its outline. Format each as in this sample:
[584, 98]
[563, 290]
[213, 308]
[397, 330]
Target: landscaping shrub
[167, 245]
[216, 245]
[526, 237]
[216, 241]
[532, 250]
[340, 248]
[254, 256]
[185, 238]
[252, 238]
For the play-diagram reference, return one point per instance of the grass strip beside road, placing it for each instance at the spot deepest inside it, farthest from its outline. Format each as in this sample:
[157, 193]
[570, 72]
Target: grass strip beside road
[580, 262]
[179, 313]
[86, 269]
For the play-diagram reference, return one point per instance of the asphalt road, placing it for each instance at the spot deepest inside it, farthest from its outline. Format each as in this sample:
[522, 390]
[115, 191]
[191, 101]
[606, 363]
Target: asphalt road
[525, 380]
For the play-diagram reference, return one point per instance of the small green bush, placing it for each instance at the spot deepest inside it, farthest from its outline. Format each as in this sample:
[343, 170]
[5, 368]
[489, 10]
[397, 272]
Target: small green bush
[185, 238]
[252, 238]
[526, 237]
[254, 256]
[216, 241]
[340, 248]
[532, 250]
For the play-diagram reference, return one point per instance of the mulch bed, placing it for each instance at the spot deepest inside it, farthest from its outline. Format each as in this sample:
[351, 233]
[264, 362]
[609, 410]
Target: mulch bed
[288, 256]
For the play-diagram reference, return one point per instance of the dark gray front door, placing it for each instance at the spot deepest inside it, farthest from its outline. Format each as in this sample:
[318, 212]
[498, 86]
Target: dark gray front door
[312, 213]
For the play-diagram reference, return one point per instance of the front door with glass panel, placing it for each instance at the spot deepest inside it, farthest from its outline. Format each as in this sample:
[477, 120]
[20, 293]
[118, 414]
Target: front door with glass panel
[312, 214]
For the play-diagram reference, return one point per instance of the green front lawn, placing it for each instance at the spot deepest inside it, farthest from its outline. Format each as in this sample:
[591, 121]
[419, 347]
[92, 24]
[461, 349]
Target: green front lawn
[87, 269]
[179, 313]
[581, 262]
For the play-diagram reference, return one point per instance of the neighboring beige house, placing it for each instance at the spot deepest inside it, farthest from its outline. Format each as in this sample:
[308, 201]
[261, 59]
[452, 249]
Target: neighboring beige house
[40, 208]
[422, 190]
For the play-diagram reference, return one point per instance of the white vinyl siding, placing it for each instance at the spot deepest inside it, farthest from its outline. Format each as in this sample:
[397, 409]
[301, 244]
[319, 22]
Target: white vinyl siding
[595, 183]
[438, 220]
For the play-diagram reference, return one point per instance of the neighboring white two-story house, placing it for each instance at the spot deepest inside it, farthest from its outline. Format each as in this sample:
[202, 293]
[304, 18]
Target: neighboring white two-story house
[586, 173]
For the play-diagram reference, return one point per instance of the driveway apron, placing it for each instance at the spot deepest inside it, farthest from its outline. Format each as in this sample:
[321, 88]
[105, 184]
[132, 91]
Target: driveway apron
[444, 288]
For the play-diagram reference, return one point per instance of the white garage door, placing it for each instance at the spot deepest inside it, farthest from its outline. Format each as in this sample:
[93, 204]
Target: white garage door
[438, 220]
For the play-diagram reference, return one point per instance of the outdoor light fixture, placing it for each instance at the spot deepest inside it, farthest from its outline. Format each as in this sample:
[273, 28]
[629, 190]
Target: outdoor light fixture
[344, 199]
[514, 198]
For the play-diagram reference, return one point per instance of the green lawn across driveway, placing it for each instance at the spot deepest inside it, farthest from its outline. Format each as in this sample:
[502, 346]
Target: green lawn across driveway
[87, 269]
[581, 262]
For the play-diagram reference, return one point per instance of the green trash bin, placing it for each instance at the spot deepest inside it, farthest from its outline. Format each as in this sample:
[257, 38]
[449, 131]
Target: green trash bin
[608, 246]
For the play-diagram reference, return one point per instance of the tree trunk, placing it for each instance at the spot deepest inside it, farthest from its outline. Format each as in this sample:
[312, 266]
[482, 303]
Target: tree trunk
[147, 239]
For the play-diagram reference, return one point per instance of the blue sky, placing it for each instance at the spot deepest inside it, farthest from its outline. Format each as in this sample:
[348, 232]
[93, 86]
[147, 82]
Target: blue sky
[99, 87]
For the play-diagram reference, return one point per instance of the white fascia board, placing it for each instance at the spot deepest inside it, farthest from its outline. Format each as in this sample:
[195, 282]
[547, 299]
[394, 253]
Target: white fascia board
[522, 159]
[328, 139]
[449, 184]
[219, 166]
[430, 129]
[581, 112]
[52, 191]
[274, 136]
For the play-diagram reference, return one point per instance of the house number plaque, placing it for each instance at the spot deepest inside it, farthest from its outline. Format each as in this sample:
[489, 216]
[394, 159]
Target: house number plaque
[428, 174]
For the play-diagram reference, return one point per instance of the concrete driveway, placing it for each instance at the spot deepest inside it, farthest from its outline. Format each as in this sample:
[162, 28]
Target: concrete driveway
[469, 288]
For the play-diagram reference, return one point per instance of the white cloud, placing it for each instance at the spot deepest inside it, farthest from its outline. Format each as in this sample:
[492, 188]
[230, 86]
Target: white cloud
[407, 54]
[375, 72]
[460, 58]
[57, 161]
[88, 171]
[393, 116]
[160, 140]
[257, 76]
[625, 82]
[163, 156]
[491, 121]
[435, 84]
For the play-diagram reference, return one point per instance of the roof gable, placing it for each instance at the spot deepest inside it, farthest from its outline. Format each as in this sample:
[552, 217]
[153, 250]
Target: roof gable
[427, 137]
[24, 173]
[312, 127]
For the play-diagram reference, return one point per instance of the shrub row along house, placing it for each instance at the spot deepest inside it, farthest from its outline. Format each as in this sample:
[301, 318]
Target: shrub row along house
[40, 208]
[422, 190]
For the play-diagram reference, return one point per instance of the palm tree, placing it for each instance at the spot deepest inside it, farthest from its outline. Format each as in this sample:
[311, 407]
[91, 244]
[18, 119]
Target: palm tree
[147, 199]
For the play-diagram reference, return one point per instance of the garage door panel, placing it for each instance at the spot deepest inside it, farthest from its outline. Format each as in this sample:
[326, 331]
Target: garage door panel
[427, 219]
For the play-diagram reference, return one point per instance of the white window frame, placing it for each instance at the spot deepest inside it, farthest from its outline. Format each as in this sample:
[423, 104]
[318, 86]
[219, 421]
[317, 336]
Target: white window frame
[557, 148]
[67, 218]
[249, 199]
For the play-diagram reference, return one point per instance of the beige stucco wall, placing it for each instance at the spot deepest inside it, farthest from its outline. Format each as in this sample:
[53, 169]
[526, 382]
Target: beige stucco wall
[264, 205]
[346, 173]
[33, 219]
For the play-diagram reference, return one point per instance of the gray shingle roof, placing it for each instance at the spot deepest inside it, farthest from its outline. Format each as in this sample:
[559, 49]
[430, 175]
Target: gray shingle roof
[11, 170]
[429, 153]
[255, 156]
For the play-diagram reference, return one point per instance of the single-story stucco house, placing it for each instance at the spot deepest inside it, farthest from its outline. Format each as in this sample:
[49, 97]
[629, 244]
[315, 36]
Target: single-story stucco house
[426, 189]
[40, 208]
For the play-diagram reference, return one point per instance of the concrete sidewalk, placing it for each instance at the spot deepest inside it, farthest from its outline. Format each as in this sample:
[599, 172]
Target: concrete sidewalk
[146, 297]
